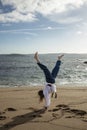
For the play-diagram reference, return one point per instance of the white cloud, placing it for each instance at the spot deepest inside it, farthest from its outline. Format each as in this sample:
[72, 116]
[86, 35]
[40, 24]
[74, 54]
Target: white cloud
[49, 28]
[27, 31]
[57, 6]
[19, 31]
[61, 11]
[82, 33]
[79, 32]
[23, 11]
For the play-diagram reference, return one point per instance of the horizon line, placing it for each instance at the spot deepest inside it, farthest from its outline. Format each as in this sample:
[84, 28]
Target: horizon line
[41, 53]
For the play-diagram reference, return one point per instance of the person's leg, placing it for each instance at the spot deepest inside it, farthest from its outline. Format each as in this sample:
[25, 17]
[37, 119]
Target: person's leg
[48, 75]
[57, 67]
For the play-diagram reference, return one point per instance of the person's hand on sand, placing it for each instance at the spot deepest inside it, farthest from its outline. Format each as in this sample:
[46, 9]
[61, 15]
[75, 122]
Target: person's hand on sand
[55, 95]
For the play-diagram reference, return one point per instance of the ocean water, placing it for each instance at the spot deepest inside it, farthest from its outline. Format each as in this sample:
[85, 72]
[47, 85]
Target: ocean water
[22, 70]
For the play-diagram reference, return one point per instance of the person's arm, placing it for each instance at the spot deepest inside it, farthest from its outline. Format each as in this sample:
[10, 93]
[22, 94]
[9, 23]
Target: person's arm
[54, 91]
[52, 94]
[55, 95]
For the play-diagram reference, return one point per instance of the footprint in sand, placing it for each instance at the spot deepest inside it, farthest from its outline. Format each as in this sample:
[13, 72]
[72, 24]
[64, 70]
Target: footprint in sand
[62, 105]
[2, 113]
[75, 113]
[10, 109]
[69, 116]
[85, 120]
[36, 116]
[2, 117]
[53, 110]
[55, 115]
[78, 112]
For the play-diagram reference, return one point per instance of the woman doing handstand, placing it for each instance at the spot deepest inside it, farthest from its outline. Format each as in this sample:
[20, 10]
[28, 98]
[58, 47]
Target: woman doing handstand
[50, 87]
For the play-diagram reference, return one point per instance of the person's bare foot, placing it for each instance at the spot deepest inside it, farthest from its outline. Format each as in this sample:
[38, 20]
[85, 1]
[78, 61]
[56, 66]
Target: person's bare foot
[36, 57]
[59, 57]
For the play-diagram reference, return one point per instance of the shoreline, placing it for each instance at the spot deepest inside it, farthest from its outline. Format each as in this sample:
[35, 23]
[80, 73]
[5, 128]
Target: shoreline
[34, 86]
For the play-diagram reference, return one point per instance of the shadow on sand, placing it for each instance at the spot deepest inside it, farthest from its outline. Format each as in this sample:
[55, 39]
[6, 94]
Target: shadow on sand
[18, 120]
[58, 112]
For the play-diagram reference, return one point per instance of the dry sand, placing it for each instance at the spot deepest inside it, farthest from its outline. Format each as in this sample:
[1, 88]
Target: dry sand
[21, 110]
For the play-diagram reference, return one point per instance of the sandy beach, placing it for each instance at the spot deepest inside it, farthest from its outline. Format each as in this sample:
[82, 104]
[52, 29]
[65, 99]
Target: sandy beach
[20, 109]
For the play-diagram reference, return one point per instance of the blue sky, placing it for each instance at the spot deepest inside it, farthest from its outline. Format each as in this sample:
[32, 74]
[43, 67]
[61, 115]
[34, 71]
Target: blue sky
[46, 26]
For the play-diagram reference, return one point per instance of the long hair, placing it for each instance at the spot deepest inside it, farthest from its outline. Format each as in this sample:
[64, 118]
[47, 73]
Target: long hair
[41, 95]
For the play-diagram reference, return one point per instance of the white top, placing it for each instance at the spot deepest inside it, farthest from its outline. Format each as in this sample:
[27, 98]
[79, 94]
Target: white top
[47, 92]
